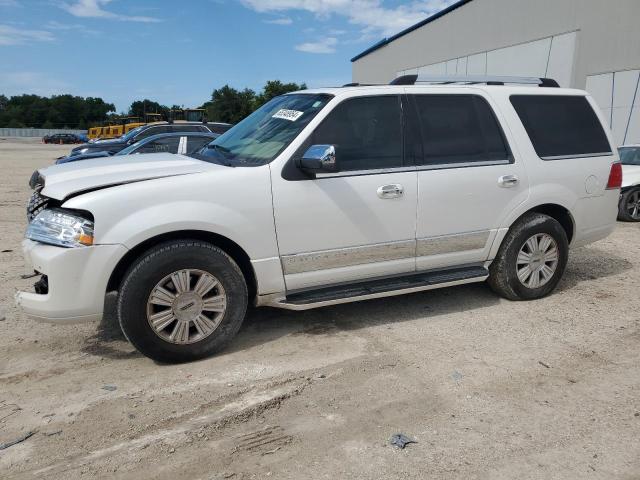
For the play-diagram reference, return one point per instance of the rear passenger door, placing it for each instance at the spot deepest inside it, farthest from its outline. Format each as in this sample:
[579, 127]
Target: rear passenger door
[468, 178]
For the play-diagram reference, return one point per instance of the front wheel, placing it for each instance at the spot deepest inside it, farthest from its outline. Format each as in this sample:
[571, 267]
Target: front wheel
[629, 208]
[181, 301]
[531, 259]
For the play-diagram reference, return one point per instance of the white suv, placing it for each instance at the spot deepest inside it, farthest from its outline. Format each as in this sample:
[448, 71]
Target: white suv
[323, 197]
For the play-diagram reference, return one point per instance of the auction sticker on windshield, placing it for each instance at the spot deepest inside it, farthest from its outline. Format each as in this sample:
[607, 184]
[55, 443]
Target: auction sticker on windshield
[291, 115]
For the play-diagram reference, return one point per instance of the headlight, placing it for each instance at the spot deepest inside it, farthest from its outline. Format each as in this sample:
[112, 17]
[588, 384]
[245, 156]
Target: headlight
[62, 228]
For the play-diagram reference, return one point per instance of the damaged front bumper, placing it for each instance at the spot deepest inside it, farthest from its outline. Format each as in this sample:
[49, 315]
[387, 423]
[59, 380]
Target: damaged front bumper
[73, 283]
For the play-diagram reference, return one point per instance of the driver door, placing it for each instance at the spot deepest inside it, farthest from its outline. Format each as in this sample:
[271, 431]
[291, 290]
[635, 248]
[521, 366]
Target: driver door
[357, 223]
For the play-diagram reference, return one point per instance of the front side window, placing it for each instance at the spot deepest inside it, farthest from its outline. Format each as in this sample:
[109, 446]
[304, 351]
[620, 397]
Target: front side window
[263, 135]
[629, 155]
[561, 126]
[458, 129]
[366, 131]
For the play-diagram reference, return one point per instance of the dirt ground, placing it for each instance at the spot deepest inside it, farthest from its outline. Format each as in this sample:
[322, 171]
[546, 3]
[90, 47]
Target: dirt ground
[489, 389]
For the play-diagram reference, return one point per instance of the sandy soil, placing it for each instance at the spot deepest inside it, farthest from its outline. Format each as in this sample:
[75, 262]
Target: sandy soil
[489, 389]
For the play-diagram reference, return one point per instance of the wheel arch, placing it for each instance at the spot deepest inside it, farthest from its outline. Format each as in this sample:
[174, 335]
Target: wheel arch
[559, 213]
[231, 248]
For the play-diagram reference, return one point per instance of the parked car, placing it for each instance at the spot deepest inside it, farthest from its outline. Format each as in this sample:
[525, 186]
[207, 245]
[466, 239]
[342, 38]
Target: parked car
[113, 146]
[184, 143]
[62, 138]
[629, 208]
[324, 197]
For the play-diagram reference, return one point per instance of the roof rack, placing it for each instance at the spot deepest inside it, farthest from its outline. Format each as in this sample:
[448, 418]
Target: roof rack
[473, 79]
[356, 84]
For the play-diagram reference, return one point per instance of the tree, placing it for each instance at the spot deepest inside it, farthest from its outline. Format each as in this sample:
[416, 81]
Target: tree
[230, 105]
[140, 107]
[57, 111]
[275, 88]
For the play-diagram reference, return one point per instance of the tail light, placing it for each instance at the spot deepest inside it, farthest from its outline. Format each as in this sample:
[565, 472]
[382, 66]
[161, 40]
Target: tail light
[615, 177]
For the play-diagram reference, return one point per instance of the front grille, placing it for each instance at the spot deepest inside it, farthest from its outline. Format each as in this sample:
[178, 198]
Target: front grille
[36, 204]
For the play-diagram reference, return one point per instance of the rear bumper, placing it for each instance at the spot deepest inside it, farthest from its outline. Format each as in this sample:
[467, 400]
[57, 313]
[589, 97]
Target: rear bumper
[77, 280]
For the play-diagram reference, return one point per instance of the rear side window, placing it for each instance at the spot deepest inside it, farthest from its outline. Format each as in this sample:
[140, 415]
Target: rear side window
[366, 131]
[561, 126]
[458, 129]
[161, 145]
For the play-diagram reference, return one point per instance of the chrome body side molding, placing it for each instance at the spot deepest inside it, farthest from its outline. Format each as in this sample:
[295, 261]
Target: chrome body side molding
[347, 257]
[462, 242]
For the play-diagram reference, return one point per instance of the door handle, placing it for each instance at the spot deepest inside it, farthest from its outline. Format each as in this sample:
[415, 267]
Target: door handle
[393, 190]
[507, 181]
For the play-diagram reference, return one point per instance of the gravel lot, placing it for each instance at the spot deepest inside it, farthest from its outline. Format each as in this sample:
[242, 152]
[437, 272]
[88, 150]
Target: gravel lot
[490, 389]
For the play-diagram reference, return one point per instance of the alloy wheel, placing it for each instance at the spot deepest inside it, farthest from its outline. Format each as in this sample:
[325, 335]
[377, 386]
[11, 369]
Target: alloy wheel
[186, 306]
[633, 205]
[537, 260]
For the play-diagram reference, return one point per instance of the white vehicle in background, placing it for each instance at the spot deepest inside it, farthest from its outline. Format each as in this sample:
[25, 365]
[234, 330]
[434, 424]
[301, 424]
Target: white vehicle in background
[629, 209]
[323, 197]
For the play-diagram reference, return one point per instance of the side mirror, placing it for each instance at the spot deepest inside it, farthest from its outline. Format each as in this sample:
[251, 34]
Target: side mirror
[320, 158]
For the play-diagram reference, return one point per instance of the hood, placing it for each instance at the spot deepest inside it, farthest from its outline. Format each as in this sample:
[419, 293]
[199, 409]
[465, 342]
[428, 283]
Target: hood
[630, 175]
[62, 181]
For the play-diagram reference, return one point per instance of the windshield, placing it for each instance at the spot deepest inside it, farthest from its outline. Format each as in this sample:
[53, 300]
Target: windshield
[131, 148]
[132, 133]
[629, 155]
[260, 137]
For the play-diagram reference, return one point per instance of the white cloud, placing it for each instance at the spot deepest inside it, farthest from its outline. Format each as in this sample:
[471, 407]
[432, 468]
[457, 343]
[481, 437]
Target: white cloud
[326, 45]
[280, 21]
[70, 27]
[18, 36]
[94, 9]
[8, 3]
[17, 83]
[372, 15]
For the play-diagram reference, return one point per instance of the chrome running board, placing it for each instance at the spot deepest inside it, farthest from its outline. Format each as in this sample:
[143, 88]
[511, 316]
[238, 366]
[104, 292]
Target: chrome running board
[379, 288]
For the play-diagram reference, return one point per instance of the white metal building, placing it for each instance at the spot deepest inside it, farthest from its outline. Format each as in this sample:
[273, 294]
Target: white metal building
[587, 44]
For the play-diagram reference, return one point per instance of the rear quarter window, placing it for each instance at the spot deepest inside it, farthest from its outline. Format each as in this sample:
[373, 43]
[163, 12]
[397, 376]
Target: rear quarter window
[561, 126]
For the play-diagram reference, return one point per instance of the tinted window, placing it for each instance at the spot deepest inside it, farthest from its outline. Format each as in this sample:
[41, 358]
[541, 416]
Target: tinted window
[196, 143]
[153, 131]
[366, 132]
[218, 128]
[168, 145]
[561, 126]
[458, 129]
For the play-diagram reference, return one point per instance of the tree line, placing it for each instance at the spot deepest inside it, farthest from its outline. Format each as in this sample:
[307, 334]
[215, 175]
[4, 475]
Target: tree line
[227, 104]
[58, 111]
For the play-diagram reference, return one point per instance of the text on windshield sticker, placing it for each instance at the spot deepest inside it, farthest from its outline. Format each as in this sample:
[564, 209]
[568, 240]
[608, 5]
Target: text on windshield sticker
[291, 115]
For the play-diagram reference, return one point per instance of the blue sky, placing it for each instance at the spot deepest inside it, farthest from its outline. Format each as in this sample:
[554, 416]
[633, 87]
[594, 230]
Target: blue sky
[178, 51]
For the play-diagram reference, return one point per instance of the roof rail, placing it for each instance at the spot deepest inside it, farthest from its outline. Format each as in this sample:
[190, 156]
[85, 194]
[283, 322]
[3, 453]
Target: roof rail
[473, 79]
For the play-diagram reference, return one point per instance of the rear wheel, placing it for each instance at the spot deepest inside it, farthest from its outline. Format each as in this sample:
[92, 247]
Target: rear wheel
[531, 259]
[181, 301]
[629, 208]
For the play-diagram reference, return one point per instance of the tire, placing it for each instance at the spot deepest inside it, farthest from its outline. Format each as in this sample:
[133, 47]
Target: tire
[504, 271]
[154, 273]
[629, 206]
